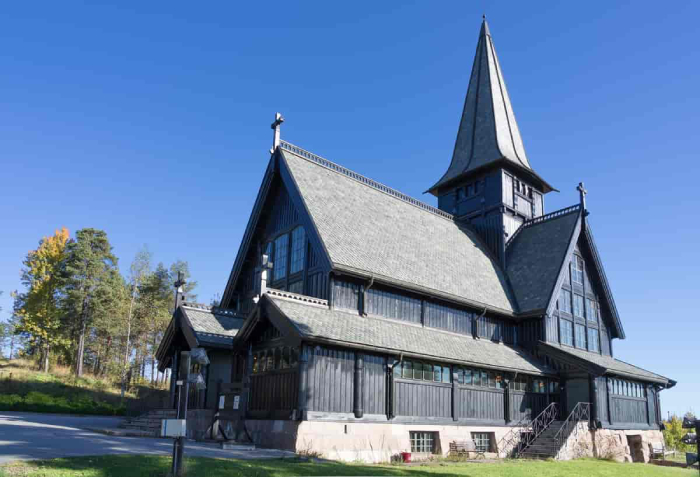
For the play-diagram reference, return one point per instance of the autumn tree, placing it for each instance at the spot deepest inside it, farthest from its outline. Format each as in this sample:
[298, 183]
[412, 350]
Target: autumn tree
[89, 271]
[38, 308]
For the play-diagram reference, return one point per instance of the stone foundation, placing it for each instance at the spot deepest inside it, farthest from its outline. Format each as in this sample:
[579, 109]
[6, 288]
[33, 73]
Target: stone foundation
[380, 442]
[621, 446]
[366, 442]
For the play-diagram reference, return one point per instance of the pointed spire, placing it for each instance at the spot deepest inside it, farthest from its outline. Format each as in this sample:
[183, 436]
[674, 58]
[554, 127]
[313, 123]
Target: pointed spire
[488, 131]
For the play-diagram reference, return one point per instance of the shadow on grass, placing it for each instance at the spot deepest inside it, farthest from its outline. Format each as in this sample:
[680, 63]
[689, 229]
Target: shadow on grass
[157, 466]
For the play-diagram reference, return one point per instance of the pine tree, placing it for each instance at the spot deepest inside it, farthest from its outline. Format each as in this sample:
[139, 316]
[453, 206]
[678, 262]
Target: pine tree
[89, 272]
[190, 285]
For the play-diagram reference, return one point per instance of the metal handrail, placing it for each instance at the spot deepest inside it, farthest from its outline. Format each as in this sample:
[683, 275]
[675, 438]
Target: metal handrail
[526, 431]
[581, 412]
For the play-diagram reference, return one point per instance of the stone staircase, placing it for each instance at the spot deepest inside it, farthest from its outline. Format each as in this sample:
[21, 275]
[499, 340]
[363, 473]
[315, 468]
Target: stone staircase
[544, 446]
[148, 424]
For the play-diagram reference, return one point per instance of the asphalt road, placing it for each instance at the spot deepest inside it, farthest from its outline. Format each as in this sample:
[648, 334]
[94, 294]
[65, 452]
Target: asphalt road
[25, 436]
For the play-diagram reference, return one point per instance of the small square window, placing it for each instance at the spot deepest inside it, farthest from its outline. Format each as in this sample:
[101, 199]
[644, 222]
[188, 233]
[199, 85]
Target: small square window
[467, 376]
[482, 441]
[423, 442]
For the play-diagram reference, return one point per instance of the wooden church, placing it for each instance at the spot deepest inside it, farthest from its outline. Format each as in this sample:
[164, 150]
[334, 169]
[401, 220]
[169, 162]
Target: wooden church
[359, 322]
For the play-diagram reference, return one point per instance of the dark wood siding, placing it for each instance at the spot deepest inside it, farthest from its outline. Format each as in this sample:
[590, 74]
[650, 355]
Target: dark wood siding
[389, 304]
[626, 410]
[526, 405]
[283, 213]
[330, 380]
[374, 384]
[577, 390]
[419, 399]
[605, 341]
[317, 285]
[346, 295]
[552, 329]
[481, 404]
[602, 399]
[448, 318]
[274, 393]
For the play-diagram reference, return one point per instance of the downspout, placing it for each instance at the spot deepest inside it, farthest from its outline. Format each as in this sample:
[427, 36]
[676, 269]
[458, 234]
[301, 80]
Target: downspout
[391, 387]
[475, 325]
[364, 295]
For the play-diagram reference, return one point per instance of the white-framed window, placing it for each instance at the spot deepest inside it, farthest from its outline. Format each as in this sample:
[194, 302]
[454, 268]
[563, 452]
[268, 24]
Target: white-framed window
[593, 339]
[577, 270]
[578, 305]
[298, 250]
[280, 261]
[482, 441]
[565, 301]
[423, 442]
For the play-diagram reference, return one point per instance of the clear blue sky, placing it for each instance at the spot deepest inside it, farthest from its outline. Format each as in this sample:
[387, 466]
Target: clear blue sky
[152, 123]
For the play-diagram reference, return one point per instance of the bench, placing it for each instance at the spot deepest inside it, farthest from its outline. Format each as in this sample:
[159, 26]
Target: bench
[658, 449]
[465, 448]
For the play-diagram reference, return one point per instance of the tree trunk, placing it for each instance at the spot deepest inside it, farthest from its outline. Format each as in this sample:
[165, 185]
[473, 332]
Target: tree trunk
[47, 349]
[154, 381]
[81, 341]
[128, 337]
[12, 346]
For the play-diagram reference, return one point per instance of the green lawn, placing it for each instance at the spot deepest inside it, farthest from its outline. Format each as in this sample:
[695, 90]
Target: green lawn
[152, 466]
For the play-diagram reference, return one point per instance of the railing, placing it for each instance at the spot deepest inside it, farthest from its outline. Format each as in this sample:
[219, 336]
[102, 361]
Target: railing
[525, 432]
[582, 412]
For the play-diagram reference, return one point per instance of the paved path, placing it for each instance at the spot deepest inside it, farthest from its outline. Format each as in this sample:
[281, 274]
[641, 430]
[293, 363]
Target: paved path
[25, 436]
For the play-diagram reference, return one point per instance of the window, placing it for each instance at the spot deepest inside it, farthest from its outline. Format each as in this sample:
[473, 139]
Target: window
[275, 359]
[285, 358]
[298, 250]
[422, 442]
[565, 301]
[538, 386]
[519, 384]
[580, 337]
[566, 332]
[591, 310]
[593, 340]
[423, 372]
[578, 305]
[577, 270]
[627, 388]
[482, 441]
[280, 261]
[553, 387]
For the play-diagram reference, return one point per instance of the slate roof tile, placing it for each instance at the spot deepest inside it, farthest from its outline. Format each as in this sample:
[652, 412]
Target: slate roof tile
[610, 364]
[348, 329]
[535, 257]
[369, 230]
[211, 325]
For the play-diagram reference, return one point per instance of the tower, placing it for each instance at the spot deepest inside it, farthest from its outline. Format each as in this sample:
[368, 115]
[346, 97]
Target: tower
[490, 183]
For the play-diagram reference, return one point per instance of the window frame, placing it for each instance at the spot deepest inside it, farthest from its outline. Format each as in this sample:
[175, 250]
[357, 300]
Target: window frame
[593, 340]
[579, 344]
[297, 253]
[569, 335]
[423, 442]
[577, 270]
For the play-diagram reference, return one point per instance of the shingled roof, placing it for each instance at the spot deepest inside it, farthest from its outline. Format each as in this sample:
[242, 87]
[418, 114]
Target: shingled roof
[488, 132]
[535, 256]
[604, 364]
[369, 229]
[211, 325]
[317, 322]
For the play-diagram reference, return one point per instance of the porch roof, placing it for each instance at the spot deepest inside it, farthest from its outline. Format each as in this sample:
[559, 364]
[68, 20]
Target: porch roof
[602, 364]
[317, 322]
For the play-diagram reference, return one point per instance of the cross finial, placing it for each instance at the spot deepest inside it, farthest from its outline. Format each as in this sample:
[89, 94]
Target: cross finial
[276, 134]
[582, 193]
[180, 280]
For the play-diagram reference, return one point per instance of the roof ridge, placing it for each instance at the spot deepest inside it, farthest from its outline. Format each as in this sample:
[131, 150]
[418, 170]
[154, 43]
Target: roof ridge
[307, 300]
[213, 309]
[363, 179]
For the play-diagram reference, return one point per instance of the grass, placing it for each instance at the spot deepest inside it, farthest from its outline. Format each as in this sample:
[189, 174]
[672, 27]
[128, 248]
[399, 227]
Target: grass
[156, 466]
[25, 388]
